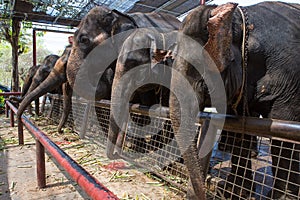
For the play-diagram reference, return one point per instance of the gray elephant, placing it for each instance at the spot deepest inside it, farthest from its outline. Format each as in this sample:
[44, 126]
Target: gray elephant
[36, 75]
[55, 82]
[102, 26]
[27, 82]
[97, 42]
[145, 55]
[264, 82]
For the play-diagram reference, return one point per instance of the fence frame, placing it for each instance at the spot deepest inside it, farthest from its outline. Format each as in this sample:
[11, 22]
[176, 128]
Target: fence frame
[270, 128]
[86, 181]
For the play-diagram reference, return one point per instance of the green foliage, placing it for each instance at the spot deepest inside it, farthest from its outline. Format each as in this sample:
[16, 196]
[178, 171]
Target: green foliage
[2, 100]
[25, 59]
[6, 34]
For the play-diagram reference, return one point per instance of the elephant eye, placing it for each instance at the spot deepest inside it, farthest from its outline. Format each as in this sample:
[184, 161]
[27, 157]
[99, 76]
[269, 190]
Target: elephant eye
[84, 39]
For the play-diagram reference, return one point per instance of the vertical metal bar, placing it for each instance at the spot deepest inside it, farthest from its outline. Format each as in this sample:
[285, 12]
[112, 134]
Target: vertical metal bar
[85, 120]
[37, 106]
[20, 132]
[204, 161]
[34, 47]
[12, 124]
[40, 164]
[6, 110]
[202, 2]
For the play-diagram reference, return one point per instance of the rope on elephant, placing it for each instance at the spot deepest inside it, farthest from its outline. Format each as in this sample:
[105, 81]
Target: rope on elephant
[244, 48]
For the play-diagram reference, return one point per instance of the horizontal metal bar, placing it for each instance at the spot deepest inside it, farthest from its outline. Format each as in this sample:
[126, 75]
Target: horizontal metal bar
[265, 127]
[55, 31]
[10, 93]
[289, 130]
[85, 180]
[12, 107]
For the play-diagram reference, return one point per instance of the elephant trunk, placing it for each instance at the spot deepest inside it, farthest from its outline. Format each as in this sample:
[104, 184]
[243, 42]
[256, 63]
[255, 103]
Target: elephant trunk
[53, 81]
[82, 87]
[88, 84]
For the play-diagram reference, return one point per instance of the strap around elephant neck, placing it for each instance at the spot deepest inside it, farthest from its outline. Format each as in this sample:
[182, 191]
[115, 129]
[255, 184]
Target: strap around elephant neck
[243, 90]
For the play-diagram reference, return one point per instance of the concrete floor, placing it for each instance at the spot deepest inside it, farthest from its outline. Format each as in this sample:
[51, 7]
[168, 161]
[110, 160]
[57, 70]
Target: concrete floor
[18, 171]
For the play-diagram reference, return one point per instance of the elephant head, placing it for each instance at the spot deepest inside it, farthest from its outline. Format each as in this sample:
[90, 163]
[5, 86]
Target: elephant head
[100, 24]
[146, 51]
[43, 71]
[96, 27]
[56, 77]
[213, 29]
[27, 82]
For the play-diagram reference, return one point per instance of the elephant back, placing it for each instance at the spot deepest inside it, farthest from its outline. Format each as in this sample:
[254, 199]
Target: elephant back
[162, 21]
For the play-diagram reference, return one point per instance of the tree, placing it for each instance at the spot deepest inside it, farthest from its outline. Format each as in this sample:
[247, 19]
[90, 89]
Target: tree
[10, 32]
[25, 55]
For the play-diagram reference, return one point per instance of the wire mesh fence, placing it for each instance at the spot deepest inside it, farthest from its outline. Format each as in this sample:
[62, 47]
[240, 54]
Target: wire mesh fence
[239, 167]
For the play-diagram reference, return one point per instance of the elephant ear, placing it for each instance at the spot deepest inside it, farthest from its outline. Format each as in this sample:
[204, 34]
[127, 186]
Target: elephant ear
[122, 22]
[219, 27]
[106, 18]
[158, 52]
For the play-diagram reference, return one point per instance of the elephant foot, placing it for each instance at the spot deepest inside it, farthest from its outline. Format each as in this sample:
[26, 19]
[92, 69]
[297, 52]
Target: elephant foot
[236, 188]
[60, 131]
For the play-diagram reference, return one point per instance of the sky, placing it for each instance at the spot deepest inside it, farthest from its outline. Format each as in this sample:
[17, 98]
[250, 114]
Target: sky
[56, 42]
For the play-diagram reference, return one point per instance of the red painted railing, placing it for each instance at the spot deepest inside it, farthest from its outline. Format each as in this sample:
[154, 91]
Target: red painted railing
[10, 93]
[86, 181]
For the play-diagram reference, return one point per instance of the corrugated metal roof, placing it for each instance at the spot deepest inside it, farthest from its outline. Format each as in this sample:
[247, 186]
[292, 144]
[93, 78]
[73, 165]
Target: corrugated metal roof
[70, 12]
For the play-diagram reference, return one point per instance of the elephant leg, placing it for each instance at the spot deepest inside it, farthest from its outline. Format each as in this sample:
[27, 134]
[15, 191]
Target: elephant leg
[51, 108]
[113, 134]
[67, 105]
[239, 183]
[29, 108]
[43, 103]
[285, 169]
[37, 106]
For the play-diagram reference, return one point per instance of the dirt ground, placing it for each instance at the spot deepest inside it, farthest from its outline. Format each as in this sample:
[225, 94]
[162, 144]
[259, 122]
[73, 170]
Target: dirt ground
[18, 169]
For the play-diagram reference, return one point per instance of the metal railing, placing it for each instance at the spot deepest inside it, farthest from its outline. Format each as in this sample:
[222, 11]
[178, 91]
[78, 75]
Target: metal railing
[86, 181]
[160, 154]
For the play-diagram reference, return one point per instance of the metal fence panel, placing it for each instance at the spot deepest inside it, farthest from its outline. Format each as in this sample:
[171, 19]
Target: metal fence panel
[240, 165]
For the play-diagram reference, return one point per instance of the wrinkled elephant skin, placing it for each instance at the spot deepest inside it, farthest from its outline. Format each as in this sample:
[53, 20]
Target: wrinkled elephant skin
[100, 28]
[53, 84]
[272, 86]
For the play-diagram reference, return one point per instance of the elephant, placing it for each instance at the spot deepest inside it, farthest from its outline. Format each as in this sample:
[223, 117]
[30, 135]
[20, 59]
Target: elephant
[101, 26]
[260, 77]
[39, 76]
[55, 82]
[27, 82]
[145, 52]
[97, 42]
